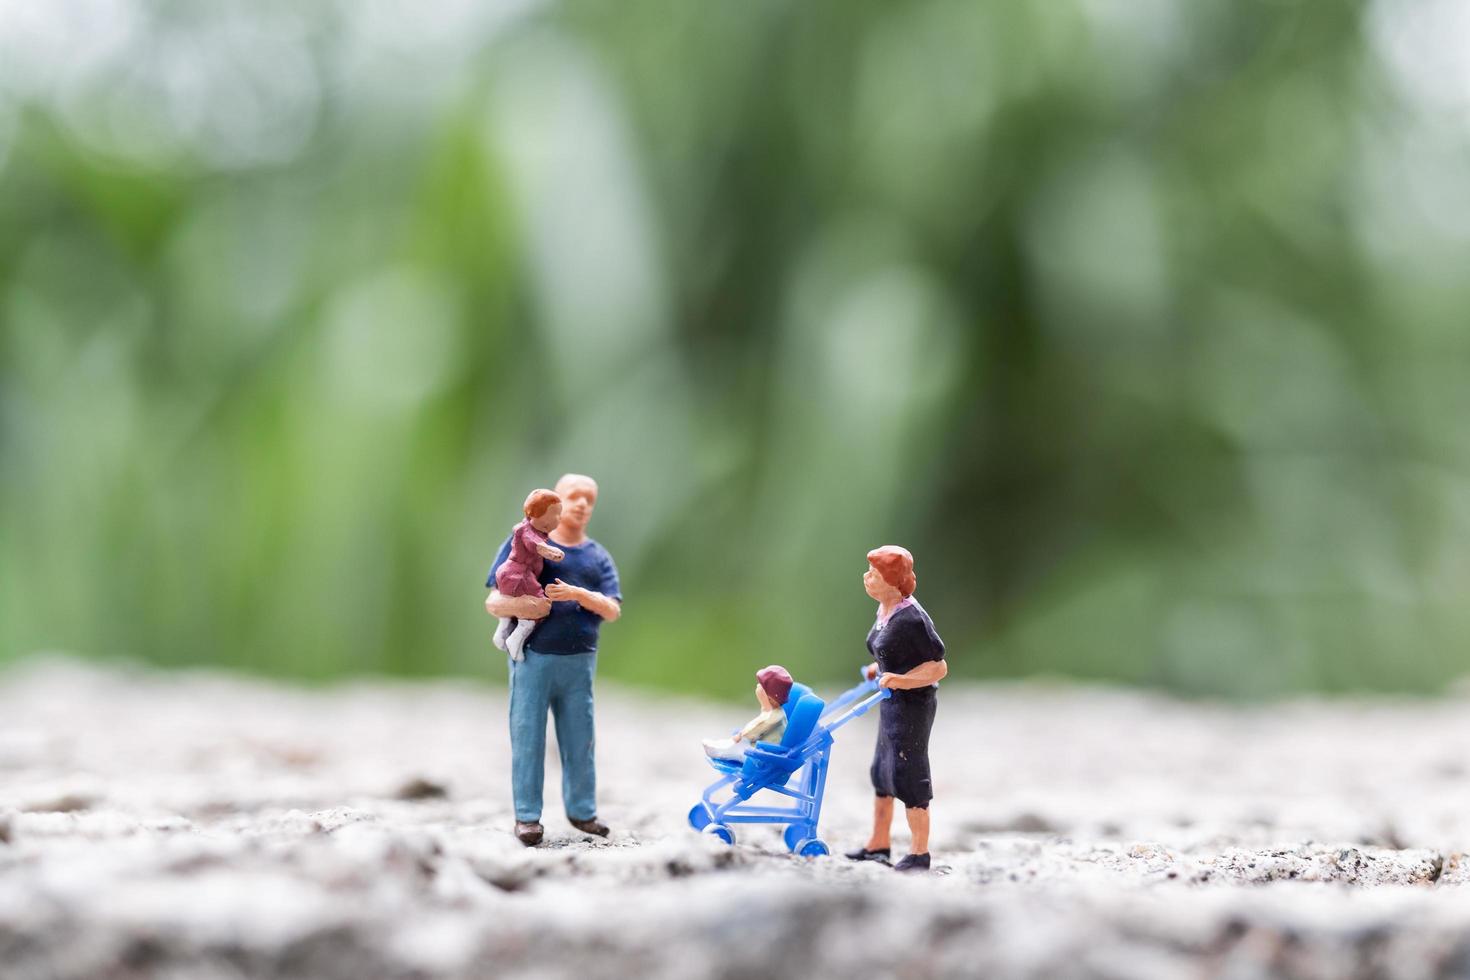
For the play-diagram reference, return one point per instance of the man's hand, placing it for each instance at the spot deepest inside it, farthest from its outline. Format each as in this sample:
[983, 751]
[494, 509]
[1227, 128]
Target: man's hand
[892, 681]
[593, 602]
[870, 671]
[560, 591]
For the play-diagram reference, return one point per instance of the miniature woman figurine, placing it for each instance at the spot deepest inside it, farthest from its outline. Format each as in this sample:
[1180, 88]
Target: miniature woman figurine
[519, 574]
[772, 688]
[910, 662]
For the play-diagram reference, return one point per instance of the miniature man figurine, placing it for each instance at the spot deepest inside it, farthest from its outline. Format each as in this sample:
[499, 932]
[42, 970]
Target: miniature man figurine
[772, 688]
[559, 663]
[910, 662]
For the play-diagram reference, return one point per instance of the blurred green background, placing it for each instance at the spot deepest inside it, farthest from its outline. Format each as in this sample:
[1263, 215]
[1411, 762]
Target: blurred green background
[1143, 323]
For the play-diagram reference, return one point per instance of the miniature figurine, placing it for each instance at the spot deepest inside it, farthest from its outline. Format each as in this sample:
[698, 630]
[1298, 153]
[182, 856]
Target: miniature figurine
[558, 664]
[517, 575]
[772, 687]
[909, 659]
[795, 768]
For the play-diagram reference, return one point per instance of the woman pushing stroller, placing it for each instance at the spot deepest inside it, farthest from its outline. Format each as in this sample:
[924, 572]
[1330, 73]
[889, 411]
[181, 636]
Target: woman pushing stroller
[910, 662]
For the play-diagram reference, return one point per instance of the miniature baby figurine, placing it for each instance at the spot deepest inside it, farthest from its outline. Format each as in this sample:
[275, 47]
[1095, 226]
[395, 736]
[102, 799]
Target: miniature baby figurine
[518, 575]
[773, 687]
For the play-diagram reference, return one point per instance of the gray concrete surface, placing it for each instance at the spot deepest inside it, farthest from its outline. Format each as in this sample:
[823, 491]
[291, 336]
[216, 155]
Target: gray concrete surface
[201, 825]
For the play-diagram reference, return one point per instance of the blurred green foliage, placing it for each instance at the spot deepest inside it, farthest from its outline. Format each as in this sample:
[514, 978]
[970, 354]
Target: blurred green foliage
[1141, 322]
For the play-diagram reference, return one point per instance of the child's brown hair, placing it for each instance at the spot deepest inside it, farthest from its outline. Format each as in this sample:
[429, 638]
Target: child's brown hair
[539, 502]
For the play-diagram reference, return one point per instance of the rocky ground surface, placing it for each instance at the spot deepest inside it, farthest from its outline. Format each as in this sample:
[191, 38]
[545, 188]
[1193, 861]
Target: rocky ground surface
[200, 825]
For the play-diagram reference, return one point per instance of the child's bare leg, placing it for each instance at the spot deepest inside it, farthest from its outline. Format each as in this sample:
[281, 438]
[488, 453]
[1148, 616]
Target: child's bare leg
[516, 642]
[882, 824]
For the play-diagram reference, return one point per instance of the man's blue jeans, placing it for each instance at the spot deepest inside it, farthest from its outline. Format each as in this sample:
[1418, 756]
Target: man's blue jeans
[561, 683]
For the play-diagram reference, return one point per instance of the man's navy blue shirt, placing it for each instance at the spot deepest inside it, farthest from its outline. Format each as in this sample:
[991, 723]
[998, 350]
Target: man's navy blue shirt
[570, 628]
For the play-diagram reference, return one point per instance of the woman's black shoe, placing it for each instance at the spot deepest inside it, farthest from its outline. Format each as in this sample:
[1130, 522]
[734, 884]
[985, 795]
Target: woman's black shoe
[863, 854]
[913, 862]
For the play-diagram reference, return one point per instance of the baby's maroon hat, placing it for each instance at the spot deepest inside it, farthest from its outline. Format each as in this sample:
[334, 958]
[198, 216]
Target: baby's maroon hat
[776, 682]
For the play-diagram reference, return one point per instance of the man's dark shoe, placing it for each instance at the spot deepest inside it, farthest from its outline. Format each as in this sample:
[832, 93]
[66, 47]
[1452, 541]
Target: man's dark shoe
[913, 862]
[863, 854]
[593, 826]
[528, 832]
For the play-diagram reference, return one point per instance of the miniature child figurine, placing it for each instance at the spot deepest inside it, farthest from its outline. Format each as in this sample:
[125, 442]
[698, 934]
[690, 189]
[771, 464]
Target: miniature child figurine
[772, 688]
[519, 574]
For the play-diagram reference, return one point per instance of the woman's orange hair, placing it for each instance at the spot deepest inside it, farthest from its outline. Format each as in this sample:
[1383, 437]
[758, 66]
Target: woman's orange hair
[539, 502]
[896, 566]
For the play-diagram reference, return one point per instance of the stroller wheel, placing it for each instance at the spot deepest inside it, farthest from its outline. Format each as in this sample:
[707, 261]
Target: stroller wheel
[813, 849]
[699, 816]
[720, 831]
[796, 833]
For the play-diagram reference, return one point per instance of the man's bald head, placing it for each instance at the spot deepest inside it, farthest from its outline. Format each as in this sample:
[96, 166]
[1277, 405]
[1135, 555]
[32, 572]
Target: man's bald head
[575, 481]
[579, 495]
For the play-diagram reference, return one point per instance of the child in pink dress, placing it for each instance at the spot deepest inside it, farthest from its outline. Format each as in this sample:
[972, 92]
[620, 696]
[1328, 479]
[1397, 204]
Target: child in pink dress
[520, 574]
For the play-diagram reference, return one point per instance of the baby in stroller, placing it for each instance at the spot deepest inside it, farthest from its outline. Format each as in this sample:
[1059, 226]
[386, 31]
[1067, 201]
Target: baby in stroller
[772, 688]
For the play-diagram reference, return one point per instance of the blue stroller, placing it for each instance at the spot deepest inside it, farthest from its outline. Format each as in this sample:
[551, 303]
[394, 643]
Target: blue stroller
[801, 759]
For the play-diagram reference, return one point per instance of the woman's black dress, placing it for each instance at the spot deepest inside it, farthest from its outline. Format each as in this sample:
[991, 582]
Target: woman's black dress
[901, 759]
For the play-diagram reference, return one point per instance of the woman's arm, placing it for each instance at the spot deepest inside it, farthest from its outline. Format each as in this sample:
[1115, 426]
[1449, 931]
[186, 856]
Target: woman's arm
[921, 676]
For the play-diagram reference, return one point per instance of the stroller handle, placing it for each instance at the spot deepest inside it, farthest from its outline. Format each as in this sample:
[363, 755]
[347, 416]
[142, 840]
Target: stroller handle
[861, 708]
